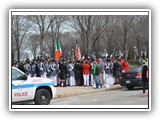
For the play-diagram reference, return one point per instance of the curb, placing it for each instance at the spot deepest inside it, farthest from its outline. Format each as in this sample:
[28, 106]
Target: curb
[86, 92]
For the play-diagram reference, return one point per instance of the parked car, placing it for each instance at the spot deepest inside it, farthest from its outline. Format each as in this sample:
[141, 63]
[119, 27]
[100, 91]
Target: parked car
[25, 88]
[132, 79]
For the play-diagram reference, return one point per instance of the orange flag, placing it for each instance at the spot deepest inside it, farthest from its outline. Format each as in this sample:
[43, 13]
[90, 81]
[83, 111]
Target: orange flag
[58, 51]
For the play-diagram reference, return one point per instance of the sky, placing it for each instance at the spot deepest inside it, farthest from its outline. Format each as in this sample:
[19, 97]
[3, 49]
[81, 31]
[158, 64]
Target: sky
[99, 4]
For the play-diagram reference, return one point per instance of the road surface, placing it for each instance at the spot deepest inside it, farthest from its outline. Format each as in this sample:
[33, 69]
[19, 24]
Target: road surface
[112, 97]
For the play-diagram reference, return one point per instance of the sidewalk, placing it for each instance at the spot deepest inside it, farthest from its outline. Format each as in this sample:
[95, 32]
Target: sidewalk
[77, 90]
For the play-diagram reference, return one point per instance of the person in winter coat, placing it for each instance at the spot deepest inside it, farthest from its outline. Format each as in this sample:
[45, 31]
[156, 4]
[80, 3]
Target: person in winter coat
[41, 68]
[96, 74]
[101, 70]
[33, 69]
[63, 73]
[86, 71]
[71, 73]
[54, 71]
[37, 69]
[108, 66]
[21, 67]
[145, 77]
[78, 73]
[121, 63]
[116, 70]
[28, 68]
[125, 65]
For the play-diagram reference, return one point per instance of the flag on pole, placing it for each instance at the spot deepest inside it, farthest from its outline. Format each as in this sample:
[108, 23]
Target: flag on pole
[77, 51]
[58, 51]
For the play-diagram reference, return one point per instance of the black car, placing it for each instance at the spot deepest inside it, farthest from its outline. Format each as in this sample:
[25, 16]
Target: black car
[132, 78]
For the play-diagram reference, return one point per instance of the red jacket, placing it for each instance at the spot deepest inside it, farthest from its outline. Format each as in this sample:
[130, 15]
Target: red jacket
[86, 68]
[126, 66]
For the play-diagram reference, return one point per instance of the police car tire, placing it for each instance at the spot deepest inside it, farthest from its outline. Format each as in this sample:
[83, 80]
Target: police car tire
[42, 97]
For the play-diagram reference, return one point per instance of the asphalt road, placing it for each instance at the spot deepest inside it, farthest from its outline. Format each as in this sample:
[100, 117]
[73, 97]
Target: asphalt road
[112, 97]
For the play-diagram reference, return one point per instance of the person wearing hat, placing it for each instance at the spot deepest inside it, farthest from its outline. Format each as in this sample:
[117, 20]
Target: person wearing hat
[21, 67]
[48, 68]
[101, 70]
[108, 66]
[33, 69]
[91, 73]
[71, 73]
[28, 68]
[116, 71]
[63, 73]
[54, 71]
[78, 73]
[96, 74]
[41, 68]
[120, 60]
[45, 68]
[37, 72]
[86, 71]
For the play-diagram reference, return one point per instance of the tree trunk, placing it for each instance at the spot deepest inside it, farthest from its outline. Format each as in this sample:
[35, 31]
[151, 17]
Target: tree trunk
[18, 56]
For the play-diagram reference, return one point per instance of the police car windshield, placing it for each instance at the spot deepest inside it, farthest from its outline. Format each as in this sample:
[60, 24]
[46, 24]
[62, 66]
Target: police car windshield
[16, 75]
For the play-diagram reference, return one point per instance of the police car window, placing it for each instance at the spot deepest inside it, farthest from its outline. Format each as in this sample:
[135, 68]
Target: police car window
[16, 75]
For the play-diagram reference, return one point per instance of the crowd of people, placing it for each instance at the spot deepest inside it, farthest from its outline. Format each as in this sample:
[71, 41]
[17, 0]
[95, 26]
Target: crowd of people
[88, 72]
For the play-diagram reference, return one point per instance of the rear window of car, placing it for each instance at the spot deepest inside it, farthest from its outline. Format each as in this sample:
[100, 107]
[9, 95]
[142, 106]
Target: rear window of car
[136, 69]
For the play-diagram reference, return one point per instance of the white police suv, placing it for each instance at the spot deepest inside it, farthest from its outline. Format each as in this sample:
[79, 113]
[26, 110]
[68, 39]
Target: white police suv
[24, 88]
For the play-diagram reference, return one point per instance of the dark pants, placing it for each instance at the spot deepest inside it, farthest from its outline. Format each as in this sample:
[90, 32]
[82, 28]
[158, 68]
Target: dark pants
[145, 83]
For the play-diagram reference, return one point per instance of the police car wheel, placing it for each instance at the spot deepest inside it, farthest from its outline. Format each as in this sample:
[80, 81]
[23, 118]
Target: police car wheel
[42, 97]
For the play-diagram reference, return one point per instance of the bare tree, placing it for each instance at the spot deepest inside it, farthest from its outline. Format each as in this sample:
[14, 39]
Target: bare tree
[68, 40]
[55, 30]
[42, 23]
[111, 35]
[99, 27]
[145, 32]
[20, 28]
[139, 34]
[83, 25]
[95, 32]
[126, 23]
[34, 44]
